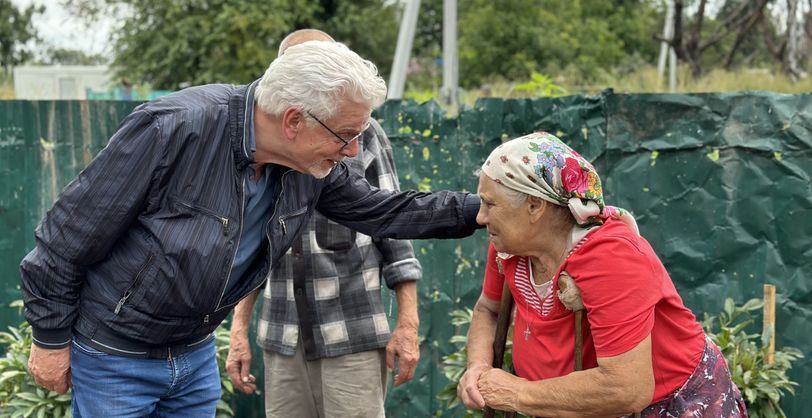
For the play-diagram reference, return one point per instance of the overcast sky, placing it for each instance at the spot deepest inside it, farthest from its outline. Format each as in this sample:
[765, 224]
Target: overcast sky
[56, 27]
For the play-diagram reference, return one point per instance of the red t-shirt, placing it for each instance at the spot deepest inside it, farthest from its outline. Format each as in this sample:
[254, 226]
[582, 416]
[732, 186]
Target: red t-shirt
[627, 294]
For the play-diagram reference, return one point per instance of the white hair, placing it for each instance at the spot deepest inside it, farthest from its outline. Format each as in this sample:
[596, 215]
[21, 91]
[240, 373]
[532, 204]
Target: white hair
[316, 77]
[515, 197]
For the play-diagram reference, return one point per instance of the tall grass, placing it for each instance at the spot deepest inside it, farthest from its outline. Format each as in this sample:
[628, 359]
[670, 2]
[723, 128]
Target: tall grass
[642, 80]
[6, 87]
[646, 80]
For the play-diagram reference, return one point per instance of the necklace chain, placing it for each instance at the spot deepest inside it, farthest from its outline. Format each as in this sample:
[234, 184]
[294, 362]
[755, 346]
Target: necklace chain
[528, 321]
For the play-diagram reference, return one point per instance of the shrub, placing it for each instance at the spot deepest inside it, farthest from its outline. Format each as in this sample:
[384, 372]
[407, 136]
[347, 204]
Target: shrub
[762, 385]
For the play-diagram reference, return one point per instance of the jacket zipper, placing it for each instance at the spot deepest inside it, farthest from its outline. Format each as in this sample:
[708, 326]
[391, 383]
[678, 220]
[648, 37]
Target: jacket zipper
[270, 250]
[236, 247]
[282, 220]
[222, 219]
[128, 292]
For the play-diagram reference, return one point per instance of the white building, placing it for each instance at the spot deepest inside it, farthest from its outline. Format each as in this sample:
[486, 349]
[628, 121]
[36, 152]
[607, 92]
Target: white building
[59, 82]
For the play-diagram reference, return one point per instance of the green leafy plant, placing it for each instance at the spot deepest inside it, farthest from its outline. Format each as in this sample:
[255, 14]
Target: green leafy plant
[540, 86]
[454, 364]
[221, 344]
[20, 396]
[762, 385]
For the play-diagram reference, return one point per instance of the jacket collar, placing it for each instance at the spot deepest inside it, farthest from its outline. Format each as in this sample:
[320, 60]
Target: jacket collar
[239, 107]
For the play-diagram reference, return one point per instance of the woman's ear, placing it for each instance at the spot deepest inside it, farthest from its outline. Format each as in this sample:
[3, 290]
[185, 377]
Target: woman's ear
[536, 207]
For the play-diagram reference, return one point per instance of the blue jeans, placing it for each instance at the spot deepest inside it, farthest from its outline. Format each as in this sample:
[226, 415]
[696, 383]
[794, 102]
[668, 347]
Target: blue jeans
[107, 385]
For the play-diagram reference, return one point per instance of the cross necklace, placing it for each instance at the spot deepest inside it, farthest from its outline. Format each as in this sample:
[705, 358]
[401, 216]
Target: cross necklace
[528, 320]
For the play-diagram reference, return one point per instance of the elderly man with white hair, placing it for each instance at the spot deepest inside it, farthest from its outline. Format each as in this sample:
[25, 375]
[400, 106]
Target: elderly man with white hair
[195, 198]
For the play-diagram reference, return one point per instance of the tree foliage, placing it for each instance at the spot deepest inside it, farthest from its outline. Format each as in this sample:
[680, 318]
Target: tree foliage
[53, 55]
[512, 38]
[16, 31]
[173, 43]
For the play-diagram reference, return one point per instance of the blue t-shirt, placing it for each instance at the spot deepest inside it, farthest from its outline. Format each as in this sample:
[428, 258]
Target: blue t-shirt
[259, 203]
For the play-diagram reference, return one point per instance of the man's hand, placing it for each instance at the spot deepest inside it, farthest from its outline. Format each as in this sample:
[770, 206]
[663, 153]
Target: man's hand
[500, 389]
[238, 363]
[404, 347]
[50, 368]
[467, 389]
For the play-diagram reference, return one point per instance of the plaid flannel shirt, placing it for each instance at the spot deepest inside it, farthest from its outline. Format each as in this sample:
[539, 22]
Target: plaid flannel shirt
[341, 271]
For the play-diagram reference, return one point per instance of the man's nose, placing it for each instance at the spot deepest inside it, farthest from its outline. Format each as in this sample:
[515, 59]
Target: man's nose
[351, 150]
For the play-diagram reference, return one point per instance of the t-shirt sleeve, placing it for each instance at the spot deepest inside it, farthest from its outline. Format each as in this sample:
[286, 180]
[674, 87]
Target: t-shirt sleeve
[492, 286]
[620, 289]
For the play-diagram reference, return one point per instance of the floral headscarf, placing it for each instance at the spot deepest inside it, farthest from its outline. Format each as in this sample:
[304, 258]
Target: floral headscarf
[541, 165]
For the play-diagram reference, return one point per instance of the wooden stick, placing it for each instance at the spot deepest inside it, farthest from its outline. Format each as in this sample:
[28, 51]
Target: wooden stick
[563, 284]
[769, 321]
[500, 338]
[579, 340]
[579, 337]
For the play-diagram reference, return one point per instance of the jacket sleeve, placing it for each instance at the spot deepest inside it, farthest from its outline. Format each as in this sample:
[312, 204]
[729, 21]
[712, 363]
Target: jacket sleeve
[87, 218]
[349, 199]
[399, 263]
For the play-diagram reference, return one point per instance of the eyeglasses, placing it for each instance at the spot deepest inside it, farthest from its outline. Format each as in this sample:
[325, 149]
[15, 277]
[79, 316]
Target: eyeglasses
[346, 142]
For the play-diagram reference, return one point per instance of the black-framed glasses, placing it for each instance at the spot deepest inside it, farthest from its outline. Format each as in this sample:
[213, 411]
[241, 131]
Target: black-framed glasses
[346, 142]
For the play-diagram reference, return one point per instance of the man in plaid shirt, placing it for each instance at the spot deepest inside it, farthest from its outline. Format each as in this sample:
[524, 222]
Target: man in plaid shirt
[326, 338]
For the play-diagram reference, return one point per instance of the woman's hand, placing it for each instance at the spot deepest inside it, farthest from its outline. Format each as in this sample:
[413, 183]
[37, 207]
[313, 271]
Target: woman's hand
[468, 390]
[500, 389]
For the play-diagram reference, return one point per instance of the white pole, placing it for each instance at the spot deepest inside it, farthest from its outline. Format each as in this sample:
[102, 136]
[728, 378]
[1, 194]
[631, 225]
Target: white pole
[672, 70]
[408, 25]
[668, 34]
[450, 90]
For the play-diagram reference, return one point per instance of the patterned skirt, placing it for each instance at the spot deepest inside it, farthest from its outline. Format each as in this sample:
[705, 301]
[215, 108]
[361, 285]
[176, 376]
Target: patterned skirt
[709, 392]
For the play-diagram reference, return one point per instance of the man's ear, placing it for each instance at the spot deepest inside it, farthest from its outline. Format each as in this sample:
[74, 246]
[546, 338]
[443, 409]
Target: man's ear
[292, 122]
[536, 207]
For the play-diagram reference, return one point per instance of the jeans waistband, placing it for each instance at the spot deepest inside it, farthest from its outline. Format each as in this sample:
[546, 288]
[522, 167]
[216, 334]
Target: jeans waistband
[120, 348]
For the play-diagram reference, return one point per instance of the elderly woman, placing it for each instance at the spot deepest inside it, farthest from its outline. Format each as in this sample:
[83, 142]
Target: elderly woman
[642, 348]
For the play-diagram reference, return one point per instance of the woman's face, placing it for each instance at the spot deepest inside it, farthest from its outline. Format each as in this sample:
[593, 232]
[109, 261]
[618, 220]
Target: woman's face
[507, 219]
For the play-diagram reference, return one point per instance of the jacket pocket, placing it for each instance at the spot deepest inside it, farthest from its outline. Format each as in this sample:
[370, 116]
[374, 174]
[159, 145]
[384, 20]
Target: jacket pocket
[133, 285]
[291, 223]
[223, 220]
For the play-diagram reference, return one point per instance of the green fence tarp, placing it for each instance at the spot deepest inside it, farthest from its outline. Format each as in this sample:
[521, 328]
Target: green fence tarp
[719, 183]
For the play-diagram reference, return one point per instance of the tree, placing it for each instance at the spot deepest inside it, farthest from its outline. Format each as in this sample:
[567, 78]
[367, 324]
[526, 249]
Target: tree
[173, 43]
[693, 39]
[793, 41]
[66, 56]
[16, 31]
[582, 38]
